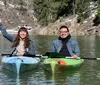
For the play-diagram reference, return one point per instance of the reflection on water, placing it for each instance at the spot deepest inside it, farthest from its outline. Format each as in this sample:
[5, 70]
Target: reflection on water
[42, 43]
[88, 45]
[17, 80]
[65, 78]
[88, 74]
[26, 78]
[40, 77]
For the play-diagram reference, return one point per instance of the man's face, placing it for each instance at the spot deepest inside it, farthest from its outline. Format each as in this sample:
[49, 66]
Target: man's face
[63, 33]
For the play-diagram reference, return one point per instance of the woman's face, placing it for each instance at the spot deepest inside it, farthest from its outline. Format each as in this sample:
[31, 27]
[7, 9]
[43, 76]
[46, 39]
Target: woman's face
[22, 34]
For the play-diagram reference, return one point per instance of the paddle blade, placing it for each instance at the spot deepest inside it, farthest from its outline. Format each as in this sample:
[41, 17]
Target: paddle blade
[53, 55]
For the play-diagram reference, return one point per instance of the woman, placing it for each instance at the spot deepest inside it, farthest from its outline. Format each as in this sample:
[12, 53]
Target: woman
[22, 43]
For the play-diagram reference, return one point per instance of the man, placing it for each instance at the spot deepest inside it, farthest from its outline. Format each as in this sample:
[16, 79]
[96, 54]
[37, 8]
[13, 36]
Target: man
[64, 45]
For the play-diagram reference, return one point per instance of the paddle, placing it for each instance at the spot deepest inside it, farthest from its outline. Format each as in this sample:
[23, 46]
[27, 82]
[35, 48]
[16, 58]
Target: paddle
[91, 58]
[11, 53]
[50, 55]
[57, 55]
[27, 55]
[53, 55]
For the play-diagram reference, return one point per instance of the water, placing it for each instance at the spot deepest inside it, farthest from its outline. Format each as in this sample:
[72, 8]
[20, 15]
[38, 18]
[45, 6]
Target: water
[88, 74]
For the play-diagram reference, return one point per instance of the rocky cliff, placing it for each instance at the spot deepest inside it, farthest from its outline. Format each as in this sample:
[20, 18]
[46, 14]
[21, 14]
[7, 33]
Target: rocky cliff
[13, 17]
[76, 29]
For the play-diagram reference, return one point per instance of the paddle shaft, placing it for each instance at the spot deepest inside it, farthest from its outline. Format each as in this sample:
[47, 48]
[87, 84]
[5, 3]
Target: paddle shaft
[84, 58]
[10, 55]
[57, 55]
[91, 58]
[41, 56]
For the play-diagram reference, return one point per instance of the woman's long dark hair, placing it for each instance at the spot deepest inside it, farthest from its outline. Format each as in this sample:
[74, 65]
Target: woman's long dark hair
[26, 39]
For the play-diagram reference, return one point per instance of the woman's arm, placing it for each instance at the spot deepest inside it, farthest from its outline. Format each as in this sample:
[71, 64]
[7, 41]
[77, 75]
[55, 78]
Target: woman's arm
[5, 34]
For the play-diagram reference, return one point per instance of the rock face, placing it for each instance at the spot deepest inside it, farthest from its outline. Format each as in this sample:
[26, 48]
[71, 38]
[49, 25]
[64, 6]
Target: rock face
[13, 17]
[76, 29]
[87, 27]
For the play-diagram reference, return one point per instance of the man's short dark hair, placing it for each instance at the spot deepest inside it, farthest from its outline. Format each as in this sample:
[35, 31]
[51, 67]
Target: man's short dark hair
[63, 26]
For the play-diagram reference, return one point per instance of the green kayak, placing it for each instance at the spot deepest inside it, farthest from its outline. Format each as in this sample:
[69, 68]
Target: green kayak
[61, 64]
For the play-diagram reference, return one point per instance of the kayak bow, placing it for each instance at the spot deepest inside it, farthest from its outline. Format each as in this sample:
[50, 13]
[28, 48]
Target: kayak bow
[61, 64]
[19, 64]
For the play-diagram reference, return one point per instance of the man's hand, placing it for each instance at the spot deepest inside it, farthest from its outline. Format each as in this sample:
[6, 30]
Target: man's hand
[75, 56]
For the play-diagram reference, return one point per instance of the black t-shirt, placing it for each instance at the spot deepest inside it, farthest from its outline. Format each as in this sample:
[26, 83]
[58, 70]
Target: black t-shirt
[64, 50]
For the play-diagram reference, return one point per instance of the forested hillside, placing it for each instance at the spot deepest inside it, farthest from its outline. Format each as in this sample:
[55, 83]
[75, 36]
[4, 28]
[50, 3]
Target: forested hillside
[45, 16]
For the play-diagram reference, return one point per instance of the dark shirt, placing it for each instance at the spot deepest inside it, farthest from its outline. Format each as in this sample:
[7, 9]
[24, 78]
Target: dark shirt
[64, 50]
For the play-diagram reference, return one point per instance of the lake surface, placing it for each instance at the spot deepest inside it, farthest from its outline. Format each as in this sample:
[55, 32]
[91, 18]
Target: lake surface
[88, 74]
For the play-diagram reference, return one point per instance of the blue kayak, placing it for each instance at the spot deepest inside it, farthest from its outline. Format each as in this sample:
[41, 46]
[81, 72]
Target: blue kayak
[20, 63]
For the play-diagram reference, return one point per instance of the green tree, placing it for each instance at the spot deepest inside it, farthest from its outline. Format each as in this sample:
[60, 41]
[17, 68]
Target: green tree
[82, 7]
[98, 9]
[97, 18]
[48, 11]
[40, 9]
